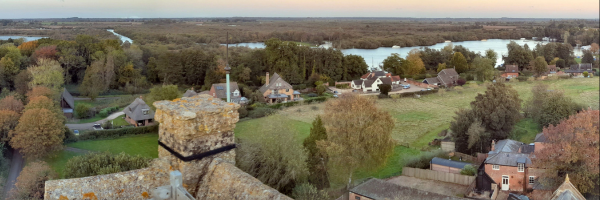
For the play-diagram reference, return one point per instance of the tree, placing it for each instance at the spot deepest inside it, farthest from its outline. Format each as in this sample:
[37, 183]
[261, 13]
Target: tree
[93, 81]
[484, 69]
[459, 62]
[39, 133]
[588, 57]
[492, 55]
[540, 66]
[549, 106]
[163, 92]
[321, 88]
[43, 102]
[468, 170]
[560, 63]
[13, 53]
[477, 135]
[31, 181]
[317, 160]
[572, 148]
[47, 73]
[441, 66]
[517, 55]
[358, 136]
[40, 91]
[93, 164]
[8, 67]
[11, 103]
[414, 64]
[594, 48]
[274, 156]
[45, 52]
[27, 48]
[306, 191]
[354, 67]
[22, 82]
[393, 64]
[8, 121]
[385, 88]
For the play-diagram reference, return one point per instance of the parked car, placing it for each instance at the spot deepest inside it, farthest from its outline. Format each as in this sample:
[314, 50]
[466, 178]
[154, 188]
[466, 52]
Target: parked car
[335, 96]
[406, 86]
[97, 127]
[76, 132]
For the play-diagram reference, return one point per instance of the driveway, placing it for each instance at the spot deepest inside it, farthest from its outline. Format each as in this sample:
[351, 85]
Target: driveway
[449, 189]
[16, 165]
[88, 126]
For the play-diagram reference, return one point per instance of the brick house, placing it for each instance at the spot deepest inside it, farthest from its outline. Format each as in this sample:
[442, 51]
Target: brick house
[67, 103]
[219, 90]
[446, 77]
[511, 71]
[578, 69]
[139, 113]
[277, 90]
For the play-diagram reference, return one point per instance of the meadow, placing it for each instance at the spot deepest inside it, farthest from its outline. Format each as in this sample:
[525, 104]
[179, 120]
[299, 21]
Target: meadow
[419, 120]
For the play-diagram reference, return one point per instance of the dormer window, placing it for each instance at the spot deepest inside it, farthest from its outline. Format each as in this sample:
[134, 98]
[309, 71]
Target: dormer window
[145, 111]
[236, 93]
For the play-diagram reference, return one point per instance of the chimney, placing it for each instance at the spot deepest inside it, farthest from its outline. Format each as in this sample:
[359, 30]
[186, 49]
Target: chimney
[493, 144]
[140, 96]
[267, 79]
[192, 88]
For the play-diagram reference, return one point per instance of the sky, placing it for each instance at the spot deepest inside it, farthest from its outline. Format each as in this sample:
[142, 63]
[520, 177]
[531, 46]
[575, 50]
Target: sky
[15, 9]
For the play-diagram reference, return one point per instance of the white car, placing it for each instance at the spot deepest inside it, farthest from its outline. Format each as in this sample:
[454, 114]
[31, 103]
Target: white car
[97, 127]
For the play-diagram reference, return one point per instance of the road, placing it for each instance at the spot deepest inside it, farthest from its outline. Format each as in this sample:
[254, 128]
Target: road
[16, 165]
[88, 126]
[87, 98]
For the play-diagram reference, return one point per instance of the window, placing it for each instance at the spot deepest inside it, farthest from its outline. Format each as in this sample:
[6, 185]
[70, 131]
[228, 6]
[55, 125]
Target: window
[531, 179]
[287, 90]
[273, 91]
[236, 93]
[145, 111]
[496, 167]
[520, 167]
[357, 197]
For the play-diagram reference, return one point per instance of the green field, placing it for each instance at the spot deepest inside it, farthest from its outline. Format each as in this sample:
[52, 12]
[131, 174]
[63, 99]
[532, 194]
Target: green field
[145, 145]
[418, 121]
[119, 121]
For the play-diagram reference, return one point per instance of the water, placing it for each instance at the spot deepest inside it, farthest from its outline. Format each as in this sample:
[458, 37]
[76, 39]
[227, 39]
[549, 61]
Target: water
[27, 38]
[375, 57]
[123, 38]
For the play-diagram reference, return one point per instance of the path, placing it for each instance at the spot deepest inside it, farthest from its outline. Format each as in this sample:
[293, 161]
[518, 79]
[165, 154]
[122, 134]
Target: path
[88, 126]
[16, 166]
[76, 150]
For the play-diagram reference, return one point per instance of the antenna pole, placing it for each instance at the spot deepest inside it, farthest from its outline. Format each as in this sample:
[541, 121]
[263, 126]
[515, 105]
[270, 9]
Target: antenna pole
[227, 69]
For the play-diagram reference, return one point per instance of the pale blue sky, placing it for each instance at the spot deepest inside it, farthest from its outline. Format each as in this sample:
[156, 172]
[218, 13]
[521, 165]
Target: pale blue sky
[12, 9]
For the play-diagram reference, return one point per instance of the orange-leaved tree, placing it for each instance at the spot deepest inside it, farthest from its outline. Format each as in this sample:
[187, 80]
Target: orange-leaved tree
[8, 121]
[11, 103]
[40, 91]
[572, 148]
[27, 48]
[38, 133]
[30, 183]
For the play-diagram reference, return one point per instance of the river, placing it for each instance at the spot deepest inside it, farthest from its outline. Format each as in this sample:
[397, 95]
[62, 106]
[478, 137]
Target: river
[27, 38]
[374, 57]
[121, 37]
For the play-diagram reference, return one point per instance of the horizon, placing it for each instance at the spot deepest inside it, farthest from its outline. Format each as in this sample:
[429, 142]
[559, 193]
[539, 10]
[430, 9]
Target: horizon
[46, 9]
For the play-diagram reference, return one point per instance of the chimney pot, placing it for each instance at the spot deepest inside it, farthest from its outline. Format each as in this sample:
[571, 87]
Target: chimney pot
[493, 144]
[267, 79]
[140, 96]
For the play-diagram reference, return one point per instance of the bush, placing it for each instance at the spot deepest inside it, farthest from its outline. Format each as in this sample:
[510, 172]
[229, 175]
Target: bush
[243, 112]
[83, 111]
[385, 89]
[306, 191]
[69, 136]
[315, 99]
[31, 181]
[585, 74]
[418, 76]
[313, 95]
[299, 87]
[115, 133]
[342, 86]
[103, 163]
[260, 112]
[564, 76]
[422, 161]
[461, 82]
[283, 105]
[468, 170]
[522, 78]
[530, 79]
[412, 94]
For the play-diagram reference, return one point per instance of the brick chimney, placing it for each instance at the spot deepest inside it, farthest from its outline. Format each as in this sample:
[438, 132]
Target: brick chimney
[267, 79]
[141, 97]
[493, 144]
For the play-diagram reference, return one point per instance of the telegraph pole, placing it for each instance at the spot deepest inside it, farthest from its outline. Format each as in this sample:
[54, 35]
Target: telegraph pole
[227, 69]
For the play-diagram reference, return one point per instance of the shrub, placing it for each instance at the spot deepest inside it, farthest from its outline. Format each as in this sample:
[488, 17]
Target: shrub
[458, 88]
[283, 105]
[422, 161]
[418, 76]
[299, 87]
[530, 79]
[468, 170]
[564, 76]
[315, 99]
[306, 191]
[103, 163]
[385, 89]
[31, 181]
[461, 82]
[260, 112]
[585, 74]
[115, 133]
[243, 112]
[522, 78]
[313, 95]
[69, 136]
[83, 111]
[321, 89]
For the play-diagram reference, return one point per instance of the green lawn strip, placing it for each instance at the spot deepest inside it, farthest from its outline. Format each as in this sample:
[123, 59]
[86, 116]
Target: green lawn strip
[145, 145]
[525, 131]
[578, 60]
[424, 140]
[248, 128]
[393, 166]
[57, 162]
[119, 121]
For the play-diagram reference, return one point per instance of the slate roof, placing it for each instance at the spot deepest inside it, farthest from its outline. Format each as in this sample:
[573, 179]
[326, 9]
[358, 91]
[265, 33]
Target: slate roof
[512, 196]
[379, 189]
[272, 85]
[511, 69]
[205, 92]
[527, 148]
[567, 191]
[379, 73]
[386, 80]
[221, 89]
[506, 152]
[449, 163]
[68, 98]
[552, 67]
[431, 81]
[357, 82]
[580, 68]
[368, 83]
[540, 137]
[190, 93]
[447, 76]
[135, 110]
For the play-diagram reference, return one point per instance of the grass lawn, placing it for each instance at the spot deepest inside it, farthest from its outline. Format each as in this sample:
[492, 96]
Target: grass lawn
[58, 161]
[119, 121]
[250, 127]
[525, 131]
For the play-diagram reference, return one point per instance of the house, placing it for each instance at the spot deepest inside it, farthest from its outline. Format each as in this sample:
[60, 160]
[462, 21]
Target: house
[445, 165]
[277, 90]
[219, 90]
[511, 71]
[377, 189]
[446, 77]
[190, 93]
[139, 113]
[578, 69]
[67, 103]
[566, 191]
[508, 165]
[551, 69]
[371, 81]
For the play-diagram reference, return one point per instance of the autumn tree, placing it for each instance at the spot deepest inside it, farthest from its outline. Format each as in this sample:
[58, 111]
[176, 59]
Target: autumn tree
[40, 91]
[274, 156]
[27, 48]
[459, 62]
[393, 64]
[12, 52]
[38, 133]
[572, 148]
[45, 52]
[11, 103]
[540, 66]
[43, 102]
[358, 136]
[31, 181]
[413, 63]
[8, 121]
[47, 73]
[317, 160]
[594, 48]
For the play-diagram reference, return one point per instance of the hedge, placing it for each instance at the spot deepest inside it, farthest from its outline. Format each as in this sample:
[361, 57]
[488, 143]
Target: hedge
[115, 133]
[315, 99]
[412, 94]
[107, 111]
[286, 104]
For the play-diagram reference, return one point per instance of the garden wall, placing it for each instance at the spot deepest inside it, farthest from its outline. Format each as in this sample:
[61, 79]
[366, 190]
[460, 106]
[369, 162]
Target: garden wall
[438, 176]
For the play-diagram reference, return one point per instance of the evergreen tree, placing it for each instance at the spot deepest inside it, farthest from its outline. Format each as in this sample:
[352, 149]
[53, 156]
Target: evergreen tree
[317, 160]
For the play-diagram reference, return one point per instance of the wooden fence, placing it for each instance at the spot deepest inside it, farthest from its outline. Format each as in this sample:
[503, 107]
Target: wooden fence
[438, 176]
[448, 146]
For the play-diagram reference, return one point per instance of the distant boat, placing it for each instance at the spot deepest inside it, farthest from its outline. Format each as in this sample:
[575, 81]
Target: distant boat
[395, 47]
[484, 40]
[447, 41]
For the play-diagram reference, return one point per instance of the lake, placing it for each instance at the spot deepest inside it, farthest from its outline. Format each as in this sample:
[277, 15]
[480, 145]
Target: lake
[374, 57]
[27, 38]
[121, 37]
